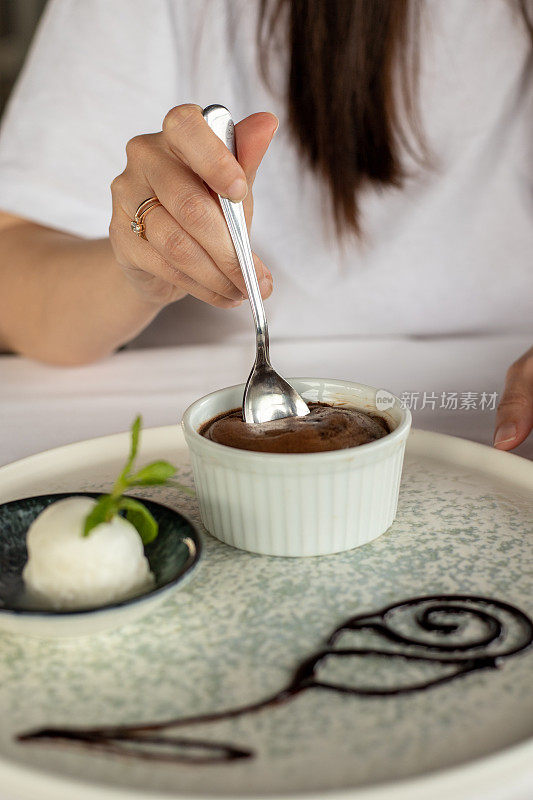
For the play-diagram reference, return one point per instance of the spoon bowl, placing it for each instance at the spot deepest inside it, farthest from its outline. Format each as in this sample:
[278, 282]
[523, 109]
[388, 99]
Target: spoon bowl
[268, 396]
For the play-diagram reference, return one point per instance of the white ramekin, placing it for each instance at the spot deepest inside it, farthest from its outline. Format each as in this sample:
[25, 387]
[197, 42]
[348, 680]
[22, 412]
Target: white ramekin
[299, 504]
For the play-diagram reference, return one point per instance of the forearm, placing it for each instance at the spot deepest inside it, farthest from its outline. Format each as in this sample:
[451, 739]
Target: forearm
[65, 300]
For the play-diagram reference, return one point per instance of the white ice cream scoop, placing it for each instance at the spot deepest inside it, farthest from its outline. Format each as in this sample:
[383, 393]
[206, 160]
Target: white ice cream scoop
[66, 570]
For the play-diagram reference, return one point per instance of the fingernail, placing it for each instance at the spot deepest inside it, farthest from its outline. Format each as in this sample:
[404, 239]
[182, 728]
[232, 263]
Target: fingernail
[237, 190]
[236, 303]
[505, 433]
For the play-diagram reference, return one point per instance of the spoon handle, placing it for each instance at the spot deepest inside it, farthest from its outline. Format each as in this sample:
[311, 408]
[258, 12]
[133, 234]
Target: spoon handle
[219, 120]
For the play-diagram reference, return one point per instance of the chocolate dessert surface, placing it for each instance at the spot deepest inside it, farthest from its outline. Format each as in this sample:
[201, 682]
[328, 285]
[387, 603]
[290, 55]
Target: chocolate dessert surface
[327, 427]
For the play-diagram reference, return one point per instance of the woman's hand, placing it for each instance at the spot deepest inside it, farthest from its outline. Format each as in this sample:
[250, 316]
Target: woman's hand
[188, 249]
[514, 418]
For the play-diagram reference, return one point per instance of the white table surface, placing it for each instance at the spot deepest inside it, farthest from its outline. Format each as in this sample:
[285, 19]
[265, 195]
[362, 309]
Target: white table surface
[43, 407]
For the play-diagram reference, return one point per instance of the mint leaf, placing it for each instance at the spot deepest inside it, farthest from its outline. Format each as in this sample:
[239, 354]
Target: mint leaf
[140, 517]
[156, 473]
[135, 434]
[104, 511]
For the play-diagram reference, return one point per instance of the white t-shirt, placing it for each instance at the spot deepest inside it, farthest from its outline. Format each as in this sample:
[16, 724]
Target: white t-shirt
[449, 252]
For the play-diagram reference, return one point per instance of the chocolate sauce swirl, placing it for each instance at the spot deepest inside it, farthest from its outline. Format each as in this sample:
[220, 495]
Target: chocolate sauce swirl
[441, 622]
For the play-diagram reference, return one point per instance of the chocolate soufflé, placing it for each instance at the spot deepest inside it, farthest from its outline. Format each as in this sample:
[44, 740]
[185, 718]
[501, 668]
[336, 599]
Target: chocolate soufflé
[326, 427]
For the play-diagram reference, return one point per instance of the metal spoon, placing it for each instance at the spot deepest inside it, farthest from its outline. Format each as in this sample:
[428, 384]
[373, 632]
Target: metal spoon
[267, 395]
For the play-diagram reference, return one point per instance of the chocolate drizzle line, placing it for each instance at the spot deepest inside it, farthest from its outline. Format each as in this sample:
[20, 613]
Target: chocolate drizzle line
[485, 651]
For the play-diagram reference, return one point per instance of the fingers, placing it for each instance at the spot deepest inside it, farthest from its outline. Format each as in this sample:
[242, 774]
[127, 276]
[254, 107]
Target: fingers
[192, 140]
[144, 264]
[182, 252]
[195, 211]
[171, 255]
[514, 418]
[187, 239]
[193, 235]
[252, 137]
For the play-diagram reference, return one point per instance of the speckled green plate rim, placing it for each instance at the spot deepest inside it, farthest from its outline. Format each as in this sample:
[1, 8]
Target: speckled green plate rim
[467, 782]
[516, 469]
[511, 767]
[188, 568]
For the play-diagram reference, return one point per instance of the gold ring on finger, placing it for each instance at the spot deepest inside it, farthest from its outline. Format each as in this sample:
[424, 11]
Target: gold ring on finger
[137, 223]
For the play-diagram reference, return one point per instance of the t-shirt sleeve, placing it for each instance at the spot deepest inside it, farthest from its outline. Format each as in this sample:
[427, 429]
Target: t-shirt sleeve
[98, 73]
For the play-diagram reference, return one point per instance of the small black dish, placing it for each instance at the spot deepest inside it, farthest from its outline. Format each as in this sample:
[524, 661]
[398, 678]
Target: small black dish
[172, 556]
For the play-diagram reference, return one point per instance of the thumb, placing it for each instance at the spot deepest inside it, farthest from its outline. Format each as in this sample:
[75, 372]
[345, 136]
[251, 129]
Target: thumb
[252, 137]
[514, 418]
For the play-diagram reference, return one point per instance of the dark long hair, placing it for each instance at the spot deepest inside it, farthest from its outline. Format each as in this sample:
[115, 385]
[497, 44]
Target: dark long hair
[351, 92]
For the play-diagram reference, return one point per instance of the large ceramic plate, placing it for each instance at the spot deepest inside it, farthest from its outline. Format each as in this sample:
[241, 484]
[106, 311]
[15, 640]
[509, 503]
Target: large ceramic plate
[236, 634]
